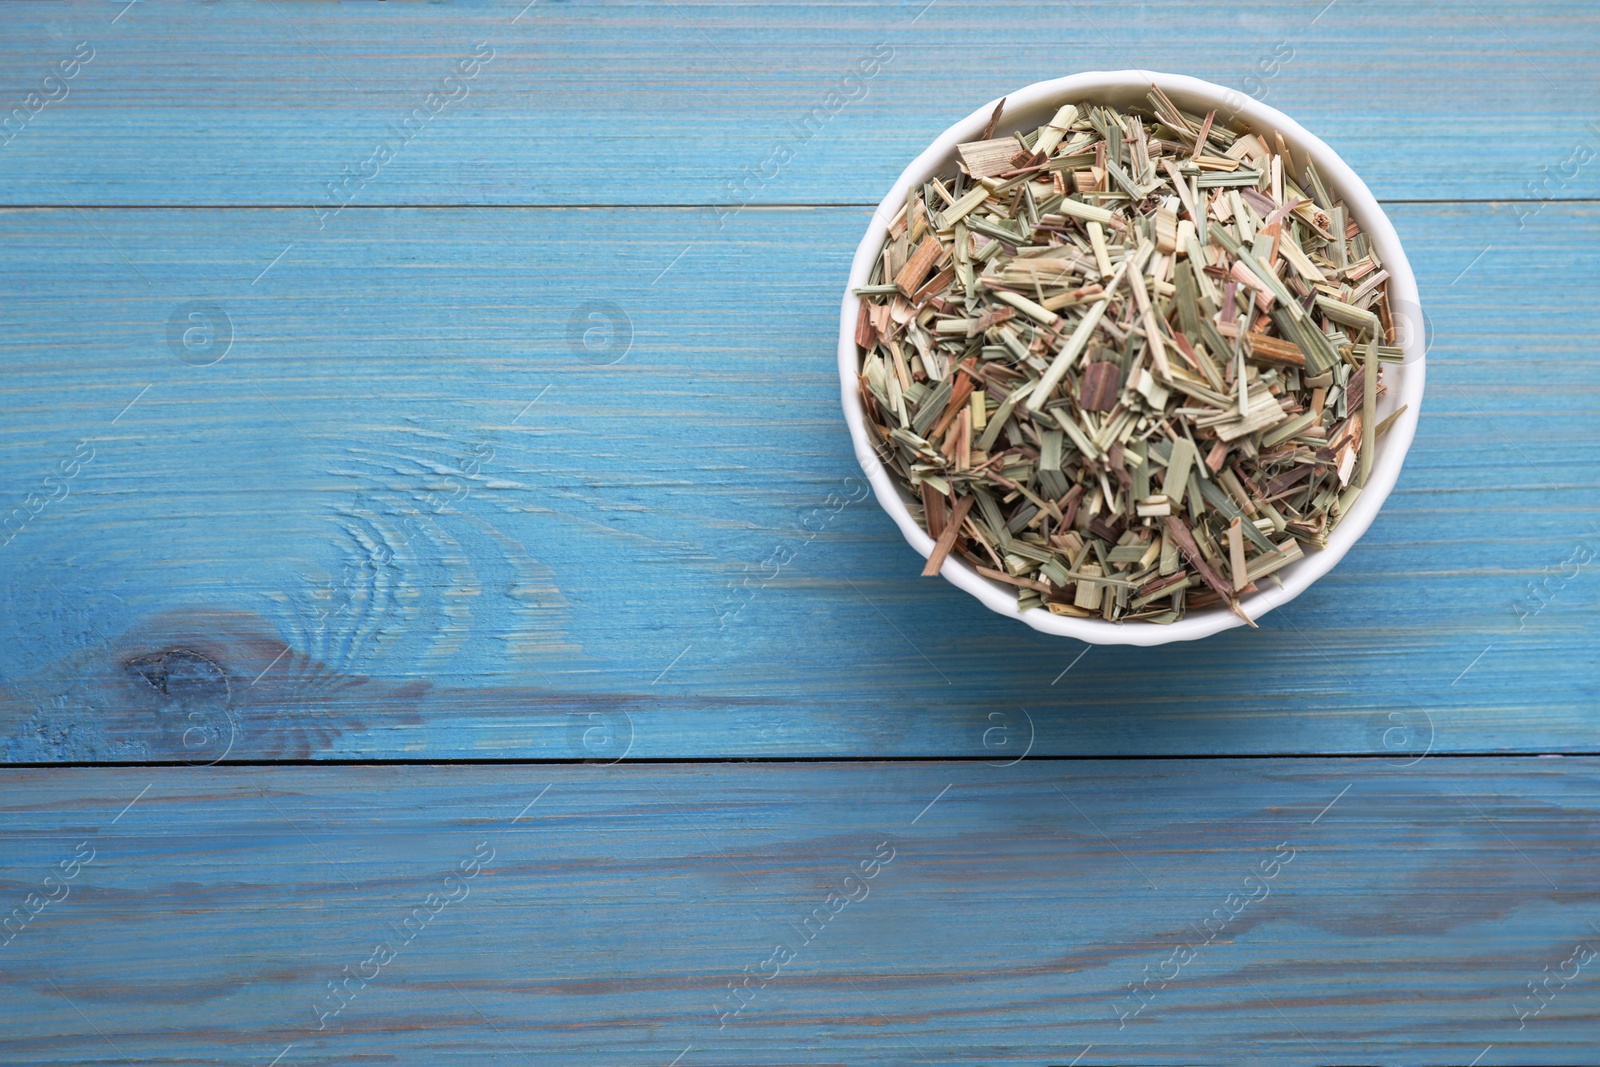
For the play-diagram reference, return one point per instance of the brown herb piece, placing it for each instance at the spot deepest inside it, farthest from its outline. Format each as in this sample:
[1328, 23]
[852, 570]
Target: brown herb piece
[1101, 383]
[947, 538]
[918, 266]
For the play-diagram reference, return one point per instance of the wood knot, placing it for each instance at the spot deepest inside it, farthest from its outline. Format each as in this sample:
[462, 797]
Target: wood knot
[181, 673]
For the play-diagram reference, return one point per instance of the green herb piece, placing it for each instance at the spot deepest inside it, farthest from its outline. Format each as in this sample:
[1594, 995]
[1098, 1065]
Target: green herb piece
[1369, 405]
[1178, 467]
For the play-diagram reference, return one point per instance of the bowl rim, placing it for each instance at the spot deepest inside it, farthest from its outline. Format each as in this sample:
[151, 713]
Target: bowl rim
[1337, 176]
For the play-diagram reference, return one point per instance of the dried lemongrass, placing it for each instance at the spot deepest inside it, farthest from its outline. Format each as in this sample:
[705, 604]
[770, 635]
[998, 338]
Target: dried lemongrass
[1126, 363]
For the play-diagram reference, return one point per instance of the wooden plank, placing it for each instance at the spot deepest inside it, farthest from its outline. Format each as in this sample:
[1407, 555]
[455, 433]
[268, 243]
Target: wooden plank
[718, 103]
[477, 539]
[584, 915]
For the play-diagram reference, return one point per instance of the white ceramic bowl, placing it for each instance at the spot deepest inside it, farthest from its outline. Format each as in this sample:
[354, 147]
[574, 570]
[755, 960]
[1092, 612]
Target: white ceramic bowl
[1033, 106]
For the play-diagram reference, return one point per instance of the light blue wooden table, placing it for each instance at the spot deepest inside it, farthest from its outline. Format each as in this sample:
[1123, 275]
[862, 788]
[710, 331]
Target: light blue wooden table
[394, 671]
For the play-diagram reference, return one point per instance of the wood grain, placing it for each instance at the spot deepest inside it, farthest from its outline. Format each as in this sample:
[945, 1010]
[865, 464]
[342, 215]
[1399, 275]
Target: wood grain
[686, 102]
[1019, 903]
[480, 468]
[409, 514]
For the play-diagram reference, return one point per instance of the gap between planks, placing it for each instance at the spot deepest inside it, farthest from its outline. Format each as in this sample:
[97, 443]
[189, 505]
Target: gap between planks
[657, 761]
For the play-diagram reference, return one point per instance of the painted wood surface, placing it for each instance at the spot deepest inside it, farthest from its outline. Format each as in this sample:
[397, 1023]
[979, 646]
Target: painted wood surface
[687, 102]
[979, 914]
[413, 512]
[492, 464]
